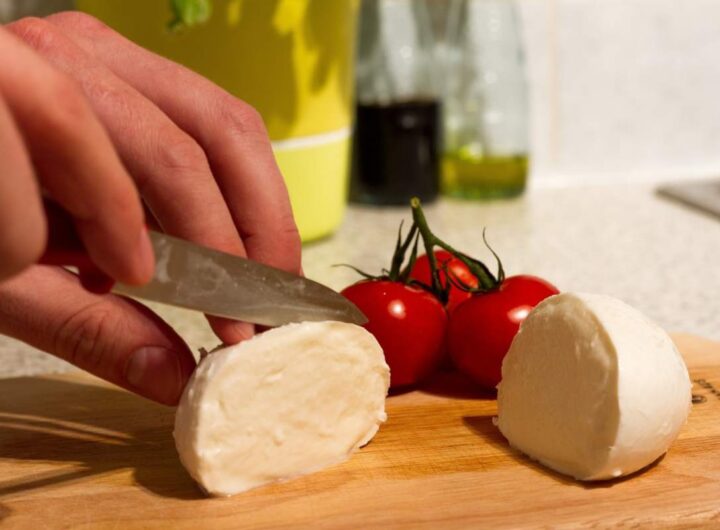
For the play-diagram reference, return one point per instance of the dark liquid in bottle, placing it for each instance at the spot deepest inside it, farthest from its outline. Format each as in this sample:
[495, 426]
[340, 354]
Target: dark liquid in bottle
[395, 152]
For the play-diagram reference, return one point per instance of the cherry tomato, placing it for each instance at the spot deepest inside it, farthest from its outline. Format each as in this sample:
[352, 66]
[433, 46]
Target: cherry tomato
[457, 269]
[408, 322]
[481, 329]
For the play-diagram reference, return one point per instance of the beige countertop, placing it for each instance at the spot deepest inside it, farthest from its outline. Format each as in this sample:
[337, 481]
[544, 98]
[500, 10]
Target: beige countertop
[623, 241]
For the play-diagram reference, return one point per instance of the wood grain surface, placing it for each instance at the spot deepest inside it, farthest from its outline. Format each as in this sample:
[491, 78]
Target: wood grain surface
[77, 453]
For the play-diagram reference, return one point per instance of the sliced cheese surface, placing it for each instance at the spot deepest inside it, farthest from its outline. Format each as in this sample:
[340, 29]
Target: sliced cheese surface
[592, 388]
[288, 402]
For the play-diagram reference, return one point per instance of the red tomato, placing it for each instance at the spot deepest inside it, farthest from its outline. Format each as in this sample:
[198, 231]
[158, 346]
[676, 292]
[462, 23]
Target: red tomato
[408, 322]
[481, 329]
[457, 269]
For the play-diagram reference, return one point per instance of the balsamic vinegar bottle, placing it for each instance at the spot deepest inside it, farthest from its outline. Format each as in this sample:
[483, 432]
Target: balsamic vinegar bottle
[396, 143]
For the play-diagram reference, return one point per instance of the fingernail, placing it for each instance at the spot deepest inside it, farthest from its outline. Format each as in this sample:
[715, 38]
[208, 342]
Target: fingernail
[155, 373]
[145, 256]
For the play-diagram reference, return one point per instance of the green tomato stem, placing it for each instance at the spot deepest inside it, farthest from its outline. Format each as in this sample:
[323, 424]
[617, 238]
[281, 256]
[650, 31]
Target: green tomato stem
[401, 248]
[486, 280]
[429, 240]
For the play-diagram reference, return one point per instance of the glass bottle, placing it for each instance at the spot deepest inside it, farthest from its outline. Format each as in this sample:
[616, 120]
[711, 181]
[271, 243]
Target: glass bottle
[484, 102]
[397, 118]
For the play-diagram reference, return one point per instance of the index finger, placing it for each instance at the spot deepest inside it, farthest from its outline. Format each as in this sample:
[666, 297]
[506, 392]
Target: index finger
[231, 133]
[75, 161]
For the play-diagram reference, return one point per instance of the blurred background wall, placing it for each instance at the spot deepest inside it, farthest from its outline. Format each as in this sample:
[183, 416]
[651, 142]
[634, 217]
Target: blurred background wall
[620, 90]
[623, 90]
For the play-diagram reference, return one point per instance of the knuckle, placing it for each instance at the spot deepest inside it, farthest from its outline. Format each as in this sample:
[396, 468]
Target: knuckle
[180, 153]
[241, 119]
[36, 32]
[82, 339]
[70, 102]
[281, 247]
[79, 20]
[109, 95]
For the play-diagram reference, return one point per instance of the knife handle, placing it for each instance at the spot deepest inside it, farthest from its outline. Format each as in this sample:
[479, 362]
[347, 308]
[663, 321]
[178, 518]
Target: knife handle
[65, 248]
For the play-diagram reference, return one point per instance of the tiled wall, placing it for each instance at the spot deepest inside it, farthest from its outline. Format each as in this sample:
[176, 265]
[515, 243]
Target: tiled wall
[623, 90]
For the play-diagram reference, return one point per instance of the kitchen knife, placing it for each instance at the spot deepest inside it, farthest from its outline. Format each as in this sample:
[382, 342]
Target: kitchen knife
[216, 283]
[195, 277]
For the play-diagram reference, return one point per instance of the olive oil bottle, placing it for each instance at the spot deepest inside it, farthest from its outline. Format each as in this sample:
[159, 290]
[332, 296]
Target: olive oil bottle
[490, 177]
[485, 152]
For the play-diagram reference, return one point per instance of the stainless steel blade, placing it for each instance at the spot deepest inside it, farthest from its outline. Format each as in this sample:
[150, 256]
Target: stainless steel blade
[195, 277]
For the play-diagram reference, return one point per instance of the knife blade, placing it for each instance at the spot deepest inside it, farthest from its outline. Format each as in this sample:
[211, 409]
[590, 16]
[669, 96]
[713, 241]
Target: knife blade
[195, 277]
[220, 284]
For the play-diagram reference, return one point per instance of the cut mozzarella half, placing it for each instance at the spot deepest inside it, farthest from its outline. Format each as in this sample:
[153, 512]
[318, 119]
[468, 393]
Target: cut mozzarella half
[592, 388]
[288, 402]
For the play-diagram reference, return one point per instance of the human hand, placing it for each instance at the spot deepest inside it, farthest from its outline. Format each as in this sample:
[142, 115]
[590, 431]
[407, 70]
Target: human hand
[98, 123]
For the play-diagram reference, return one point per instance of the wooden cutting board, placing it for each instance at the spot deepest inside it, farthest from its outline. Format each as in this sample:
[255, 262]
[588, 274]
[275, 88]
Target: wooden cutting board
[77, 453]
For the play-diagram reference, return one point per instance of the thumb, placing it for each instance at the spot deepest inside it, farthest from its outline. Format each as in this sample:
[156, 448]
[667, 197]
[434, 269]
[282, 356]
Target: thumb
[111, 337]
